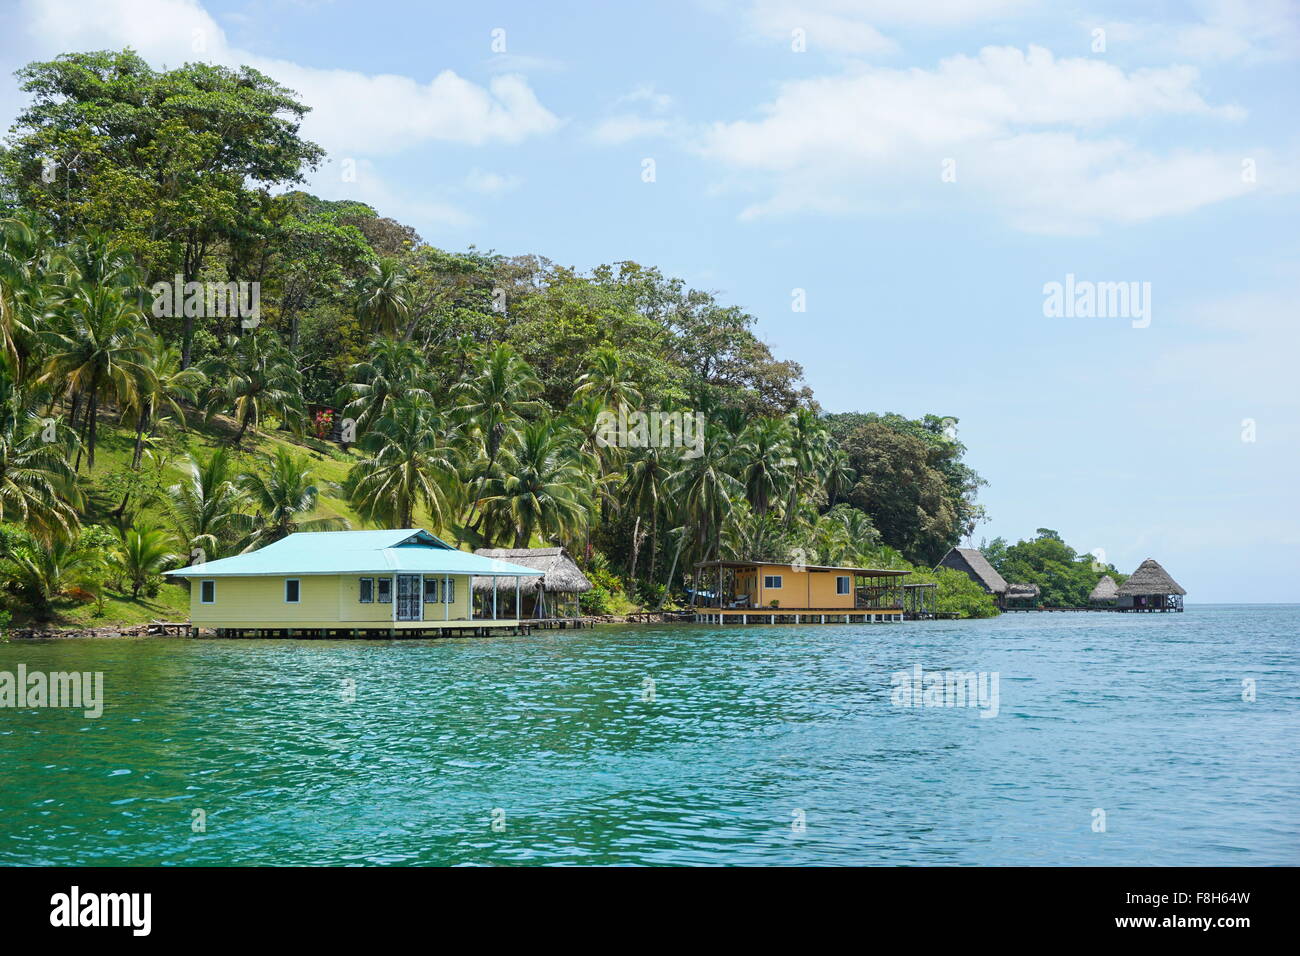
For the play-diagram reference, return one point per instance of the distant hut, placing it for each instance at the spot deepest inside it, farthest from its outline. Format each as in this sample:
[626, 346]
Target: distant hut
[1150, 588]
[1106, 591]
[1021, 595]
[554, 594]
[972, 563]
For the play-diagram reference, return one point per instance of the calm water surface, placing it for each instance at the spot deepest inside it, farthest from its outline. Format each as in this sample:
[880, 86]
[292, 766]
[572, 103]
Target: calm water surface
[1140, 716]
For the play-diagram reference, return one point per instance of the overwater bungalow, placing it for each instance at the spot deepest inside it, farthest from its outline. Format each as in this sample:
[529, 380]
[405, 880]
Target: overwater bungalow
[1020, 596]
[1106, 592]
[353, 583]
[1150, 588]
[972, 563]
[554, 595]
[772, 592]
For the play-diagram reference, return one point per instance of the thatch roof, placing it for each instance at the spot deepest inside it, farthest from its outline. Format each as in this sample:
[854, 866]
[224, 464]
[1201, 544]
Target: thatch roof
[1023, 591]
[561, 574]
[1149, 578]
[973, 563]
[1106, 590]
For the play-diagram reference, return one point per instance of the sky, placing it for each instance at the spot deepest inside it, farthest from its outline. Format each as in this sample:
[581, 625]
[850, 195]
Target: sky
[891, 187]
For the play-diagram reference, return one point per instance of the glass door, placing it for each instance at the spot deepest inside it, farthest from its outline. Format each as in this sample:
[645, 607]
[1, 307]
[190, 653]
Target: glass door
[410, 600]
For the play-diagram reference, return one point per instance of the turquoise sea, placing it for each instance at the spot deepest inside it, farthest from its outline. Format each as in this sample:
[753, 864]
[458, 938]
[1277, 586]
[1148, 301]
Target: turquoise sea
[684, 744]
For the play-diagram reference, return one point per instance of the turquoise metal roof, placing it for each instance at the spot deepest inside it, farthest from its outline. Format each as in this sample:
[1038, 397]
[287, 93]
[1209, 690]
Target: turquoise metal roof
[409, 550]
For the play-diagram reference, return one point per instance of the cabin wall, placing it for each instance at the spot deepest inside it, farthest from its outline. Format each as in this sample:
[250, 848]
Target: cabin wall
[323, 599]
[801, 589]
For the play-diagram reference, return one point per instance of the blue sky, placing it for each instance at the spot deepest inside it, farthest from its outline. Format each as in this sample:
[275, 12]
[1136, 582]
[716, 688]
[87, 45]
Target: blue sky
[1162, 150]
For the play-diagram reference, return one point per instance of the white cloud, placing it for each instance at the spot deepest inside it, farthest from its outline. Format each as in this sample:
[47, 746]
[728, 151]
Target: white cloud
[353, 113]
[1258, 30]
[488, 183]
[850, 26]
[626, 127]
[1018, 124]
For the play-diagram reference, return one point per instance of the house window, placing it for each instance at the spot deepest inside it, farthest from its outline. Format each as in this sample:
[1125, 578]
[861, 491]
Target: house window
[449, 592]
[430, 590]
[292, 590]
[843, 585]
[385, 590]
[367, 591]
[208, 592]
[771, 581]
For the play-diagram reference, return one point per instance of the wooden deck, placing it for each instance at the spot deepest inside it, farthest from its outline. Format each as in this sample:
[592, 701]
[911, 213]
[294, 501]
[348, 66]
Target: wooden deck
[828, 615]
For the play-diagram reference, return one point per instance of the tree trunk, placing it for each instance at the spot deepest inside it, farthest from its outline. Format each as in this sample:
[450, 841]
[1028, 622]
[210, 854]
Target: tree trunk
[636, 547]
[668, 582]
[243, 427]
[146, 412]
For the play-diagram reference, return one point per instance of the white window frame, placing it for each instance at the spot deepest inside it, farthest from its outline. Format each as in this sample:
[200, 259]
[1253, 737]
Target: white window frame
[379, 594]
[437, 588]
[848, 584]
[297, 581]
[449, 591]
[778, 578]
[360, 592]
[213, 582]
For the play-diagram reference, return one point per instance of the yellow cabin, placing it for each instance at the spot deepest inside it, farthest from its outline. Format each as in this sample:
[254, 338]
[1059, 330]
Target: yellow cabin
[767, 592]
[405, 582]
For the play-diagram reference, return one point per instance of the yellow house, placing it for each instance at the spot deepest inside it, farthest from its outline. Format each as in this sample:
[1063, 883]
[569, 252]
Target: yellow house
[770, 592]
[406, 582]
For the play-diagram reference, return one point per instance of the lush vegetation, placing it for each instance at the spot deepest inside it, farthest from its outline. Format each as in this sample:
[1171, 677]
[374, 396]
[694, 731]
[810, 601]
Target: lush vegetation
[1064, 576]
[382, 381]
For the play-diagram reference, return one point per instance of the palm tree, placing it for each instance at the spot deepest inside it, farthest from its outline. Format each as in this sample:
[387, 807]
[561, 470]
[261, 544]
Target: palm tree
[145, 550]
[840, 476]
[37, 484]
[542, 489]
[163, 387]
[809, 447]
[383, 299]
[608, 380]
[99, 350]
[30, 262]
[765, 464]
[282, 496]
[257, 376]
[412, 463]
[494, 399]
[209, 511]
[42, 574]
[644, 483]
[704, 489]
[394, 368]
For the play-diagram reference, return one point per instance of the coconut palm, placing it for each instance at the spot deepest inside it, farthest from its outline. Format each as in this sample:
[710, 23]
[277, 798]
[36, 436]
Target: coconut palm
[704, 489]
[394, 368]
[207, 508]
[766, 466]
[645, 481]
[37, 484]
[498, 393]
[99, 349]
[383, 297]
[608, 381]
[163, 387]
[256, 376]
[145, 550]
[283, 494]
[42, 574]
[30, 263]
[541, 490]
[412, 463]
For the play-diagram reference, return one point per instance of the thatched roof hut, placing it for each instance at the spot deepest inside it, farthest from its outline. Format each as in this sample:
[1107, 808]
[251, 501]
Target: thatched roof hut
[560, 574]
[971, 561]
[1106, 590]
[1023, 591]
[1150, 588]
[1150, 578]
